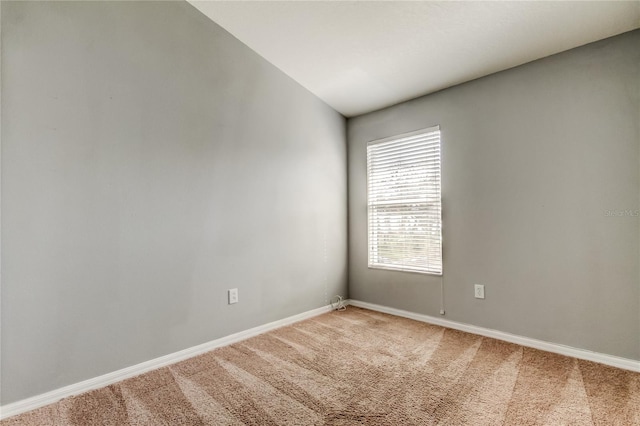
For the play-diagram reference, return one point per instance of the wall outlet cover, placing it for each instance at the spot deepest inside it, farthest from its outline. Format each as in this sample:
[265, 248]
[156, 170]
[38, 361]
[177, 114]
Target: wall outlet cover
[233, 295]
[479, 291]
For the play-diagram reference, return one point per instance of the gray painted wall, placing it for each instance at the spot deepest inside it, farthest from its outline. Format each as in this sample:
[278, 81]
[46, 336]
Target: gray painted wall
[533, 157]
[150, 161]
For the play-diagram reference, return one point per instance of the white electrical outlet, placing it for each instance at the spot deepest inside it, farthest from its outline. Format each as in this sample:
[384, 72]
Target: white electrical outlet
[233, 295]
[479, 290]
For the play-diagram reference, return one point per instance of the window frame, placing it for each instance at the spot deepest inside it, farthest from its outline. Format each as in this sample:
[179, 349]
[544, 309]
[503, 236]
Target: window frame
[404, 268]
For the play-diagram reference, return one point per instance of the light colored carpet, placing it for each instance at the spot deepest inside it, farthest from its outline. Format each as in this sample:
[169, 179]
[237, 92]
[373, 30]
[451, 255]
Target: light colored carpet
[361, 367]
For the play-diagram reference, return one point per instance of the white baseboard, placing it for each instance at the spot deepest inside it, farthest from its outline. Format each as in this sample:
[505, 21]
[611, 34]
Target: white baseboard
[614, 361]
[51, 397]
[56, 395]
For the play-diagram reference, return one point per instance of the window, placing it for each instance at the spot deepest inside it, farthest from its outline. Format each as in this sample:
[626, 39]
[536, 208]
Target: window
[404, 202]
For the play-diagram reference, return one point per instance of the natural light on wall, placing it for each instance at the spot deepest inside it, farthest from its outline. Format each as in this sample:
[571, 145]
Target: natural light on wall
[404, 202]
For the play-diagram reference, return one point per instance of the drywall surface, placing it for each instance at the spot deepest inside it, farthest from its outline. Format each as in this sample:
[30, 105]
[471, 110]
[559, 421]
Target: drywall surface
[540, 200]
[150, 162]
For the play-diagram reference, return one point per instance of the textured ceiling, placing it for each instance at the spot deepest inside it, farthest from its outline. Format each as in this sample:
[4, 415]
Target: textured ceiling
[363, 55]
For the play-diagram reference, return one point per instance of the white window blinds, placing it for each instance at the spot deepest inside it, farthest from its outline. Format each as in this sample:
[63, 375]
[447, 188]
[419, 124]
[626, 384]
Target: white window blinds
[404, 202]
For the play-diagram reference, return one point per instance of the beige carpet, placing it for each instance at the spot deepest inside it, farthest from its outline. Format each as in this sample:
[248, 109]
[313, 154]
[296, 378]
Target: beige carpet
[361, 367]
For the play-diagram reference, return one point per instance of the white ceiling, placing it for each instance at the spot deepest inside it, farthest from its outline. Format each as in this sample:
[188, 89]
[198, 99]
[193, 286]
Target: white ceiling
[359, 56]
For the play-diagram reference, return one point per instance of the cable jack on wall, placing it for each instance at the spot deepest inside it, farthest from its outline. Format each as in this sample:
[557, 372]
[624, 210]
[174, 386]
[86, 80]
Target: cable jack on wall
[337, 303]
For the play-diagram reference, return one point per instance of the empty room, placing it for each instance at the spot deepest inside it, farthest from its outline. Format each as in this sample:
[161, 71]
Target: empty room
[320, 213]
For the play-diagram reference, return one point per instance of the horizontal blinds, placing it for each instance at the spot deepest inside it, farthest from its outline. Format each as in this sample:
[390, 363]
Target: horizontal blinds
[404, 202]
